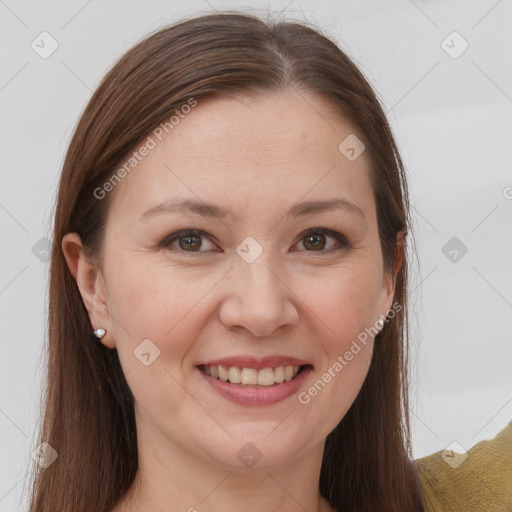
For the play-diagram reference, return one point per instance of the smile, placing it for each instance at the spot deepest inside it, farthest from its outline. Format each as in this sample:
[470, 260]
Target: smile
[252, 376]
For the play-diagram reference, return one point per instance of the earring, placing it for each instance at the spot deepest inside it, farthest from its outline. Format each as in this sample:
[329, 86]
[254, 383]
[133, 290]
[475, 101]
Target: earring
[99, 333]
[380, 323]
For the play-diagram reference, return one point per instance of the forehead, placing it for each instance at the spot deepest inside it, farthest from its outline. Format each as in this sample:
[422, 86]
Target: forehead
[252, 154]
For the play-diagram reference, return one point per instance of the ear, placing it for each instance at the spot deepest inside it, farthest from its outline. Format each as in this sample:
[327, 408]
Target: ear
[91, 284]
[389, 281]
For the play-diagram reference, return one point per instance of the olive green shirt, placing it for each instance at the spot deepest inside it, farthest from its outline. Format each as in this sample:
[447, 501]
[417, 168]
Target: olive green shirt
[480, 482]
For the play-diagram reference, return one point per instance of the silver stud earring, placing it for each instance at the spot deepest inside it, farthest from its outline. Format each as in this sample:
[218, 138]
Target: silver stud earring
[99, 333]
[380, 323]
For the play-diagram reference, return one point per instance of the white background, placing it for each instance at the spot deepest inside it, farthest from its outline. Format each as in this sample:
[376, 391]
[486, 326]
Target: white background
[453, 121]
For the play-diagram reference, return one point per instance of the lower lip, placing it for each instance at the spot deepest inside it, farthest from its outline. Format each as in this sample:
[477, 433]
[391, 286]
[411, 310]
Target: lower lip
[257, 396]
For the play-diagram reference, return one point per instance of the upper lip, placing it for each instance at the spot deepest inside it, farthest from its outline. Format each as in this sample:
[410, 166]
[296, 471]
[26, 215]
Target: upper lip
[256, 363]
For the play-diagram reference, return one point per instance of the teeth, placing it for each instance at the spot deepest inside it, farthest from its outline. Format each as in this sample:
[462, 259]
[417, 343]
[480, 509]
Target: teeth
[251, 376]
[279, 374]
[223, 373]
[235, 375]
[266, 377]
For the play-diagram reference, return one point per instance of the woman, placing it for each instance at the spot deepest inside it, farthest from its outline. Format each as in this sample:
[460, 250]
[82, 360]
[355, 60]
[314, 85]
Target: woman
[231, 226]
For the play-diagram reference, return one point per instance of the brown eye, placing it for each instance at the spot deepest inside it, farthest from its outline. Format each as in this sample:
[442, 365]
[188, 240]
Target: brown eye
[190, 241]
[314, 242]
[318, 241]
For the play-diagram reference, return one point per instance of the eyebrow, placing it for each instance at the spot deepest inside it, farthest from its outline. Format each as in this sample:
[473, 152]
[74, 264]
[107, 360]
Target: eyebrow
[218, 212]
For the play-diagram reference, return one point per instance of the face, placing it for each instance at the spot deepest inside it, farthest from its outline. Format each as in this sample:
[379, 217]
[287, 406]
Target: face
[253, 271]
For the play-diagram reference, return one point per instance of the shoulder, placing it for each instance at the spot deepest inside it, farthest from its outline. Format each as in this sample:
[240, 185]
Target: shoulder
[479, 480]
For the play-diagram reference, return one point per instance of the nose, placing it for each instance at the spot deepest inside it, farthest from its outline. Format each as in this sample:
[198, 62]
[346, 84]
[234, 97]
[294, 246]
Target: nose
[258, 300]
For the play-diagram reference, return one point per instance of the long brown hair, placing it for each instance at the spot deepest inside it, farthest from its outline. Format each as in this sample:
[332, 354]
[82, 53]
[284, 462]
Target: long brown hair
[88, 414]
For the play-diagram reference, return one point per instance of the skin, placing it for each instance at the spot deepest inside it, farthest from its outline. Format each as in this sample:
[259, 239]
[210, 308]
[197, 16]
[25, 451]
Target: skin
[258, 157]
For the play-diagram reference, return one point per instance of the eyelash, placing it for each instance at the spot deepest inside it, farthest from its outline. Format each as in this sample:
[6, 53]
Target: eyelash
[342, 241]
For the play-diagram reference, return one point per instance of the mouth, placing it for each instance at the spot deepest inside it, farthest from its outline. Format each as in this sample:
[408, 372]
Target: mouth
[253, 377]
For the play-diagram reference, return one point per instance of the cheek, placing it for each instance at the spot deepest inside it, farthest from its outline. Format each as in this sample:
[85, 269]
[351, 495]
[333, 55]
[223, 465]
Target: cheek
[345, 300]
[345, 312]
[161, 314]
[157, 305]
